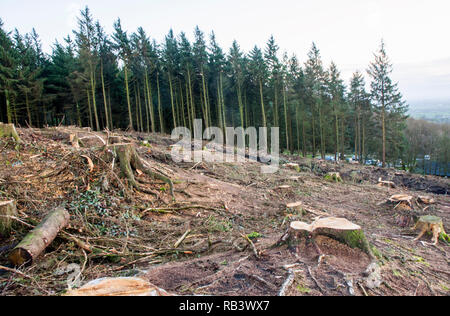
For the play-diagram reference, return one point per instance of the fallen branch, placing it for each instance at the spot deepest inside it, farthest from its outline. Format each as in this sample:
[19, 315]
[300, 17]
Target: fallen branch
[15, 271]
[250, 242]
[178, 243]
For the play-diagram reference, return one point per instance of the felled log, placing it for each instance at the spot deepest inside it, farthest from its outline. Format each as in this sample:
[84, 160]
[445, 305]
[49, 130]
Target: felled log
[118, 287]
[339, 229]
[129, 160]
[388, 184]
[9, 130]
[39, 238]
[432, 224]
[7, 209]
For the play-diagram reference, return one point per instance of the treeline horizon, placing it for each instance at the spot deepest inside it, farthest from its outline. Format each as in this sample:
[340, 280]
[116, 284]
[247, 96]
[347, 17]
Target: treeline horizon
[130, 81]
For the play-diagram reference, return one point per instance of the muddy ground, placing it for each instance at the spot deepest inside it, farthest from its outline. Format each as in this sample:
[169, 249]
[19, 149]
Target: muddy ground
[134, 233]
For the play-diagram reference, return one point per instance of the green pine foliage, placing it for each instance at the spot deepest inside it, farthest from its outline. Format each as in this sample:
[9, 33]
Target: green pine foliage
[130, 81]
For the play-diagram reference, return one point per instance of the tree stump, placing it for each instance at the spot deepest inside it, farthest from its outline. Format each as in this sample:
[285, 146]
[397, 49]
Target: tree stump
[431, 224]
[9, 130]
[39, 238]
[339, 229]
[74, 141]
[402, 202]
[129, 160]
[334, 177]
[114, 140]
[426, 200]
[118, 287]
[388, 184]
[293, 166]
[7, 209]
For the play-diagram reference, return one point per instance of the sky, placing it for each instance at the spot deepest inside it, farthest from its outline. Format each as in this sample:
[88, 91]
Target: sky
[348, 32]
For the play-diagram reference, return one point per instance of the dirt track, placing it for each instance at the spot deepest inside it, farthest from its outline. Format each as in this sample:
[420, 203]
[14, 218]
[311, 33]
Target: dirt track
[218, 203]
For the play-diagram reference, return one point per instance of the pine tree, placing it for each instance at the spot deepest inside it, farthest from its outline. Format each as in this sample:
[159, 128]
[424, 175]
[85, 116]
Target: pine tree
[257, 68]
[388, 102]
[87, 43]
[274, 70]
[315, 83]
[123, 48]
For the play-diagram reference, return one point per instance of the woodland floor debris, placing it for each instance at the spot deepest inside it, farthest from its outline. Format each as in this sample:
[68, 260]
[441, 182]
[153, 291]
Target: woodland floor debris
[117, 230]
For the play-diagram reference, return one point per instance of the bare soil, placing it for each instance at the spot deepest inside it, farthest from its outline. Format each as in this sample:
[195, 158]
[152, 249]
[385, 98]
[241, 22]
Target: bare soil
[134, 233]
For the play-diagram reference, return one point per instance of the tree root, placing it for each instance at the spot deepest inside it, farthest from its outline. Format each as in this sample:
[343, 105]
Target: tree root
[129, 160]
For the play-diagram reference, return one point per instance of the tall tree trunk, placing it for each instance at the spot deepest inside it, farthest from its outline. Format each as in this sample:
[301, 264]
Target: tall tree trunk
[161, 118]
[150, 102]
[383, 123]
[219, 106]
[171, 100]
[90, 110]
[188, 105]
[110, 109]
[205, 100]
[78, 116]
[262, 104]
[191, 97]
[336, 121]
[8, 107]
[108, 123]
[147, 107]
[183, 110]
[224, 119]
[141, 121]
[130, 116]
[94, 102]
[136, 101]
[286, 117]
[28, 108]
[313, 123]
[241, 107]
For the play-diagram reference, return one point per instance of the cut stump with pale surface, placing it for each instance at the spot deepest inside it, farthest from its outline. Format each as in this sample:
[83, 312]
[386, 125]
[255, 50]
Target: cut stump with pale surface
[118, 287]
[7, 210]
[388, 184]
[428, 200]
[339, 229]
[402, 202]
[39, 238]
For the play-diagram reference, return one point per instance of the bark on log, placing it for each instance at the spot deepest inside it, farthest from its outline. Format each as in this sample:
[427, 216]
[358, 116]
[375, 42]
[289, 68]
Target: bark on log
[7, 209]
[9, 130]
[339, 229]
[39, 238]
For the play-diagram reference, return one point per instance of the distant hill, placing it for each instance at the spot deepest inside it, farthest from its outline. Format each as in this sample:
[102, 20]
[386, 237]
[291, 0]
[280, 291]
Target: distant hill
[430, 110]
